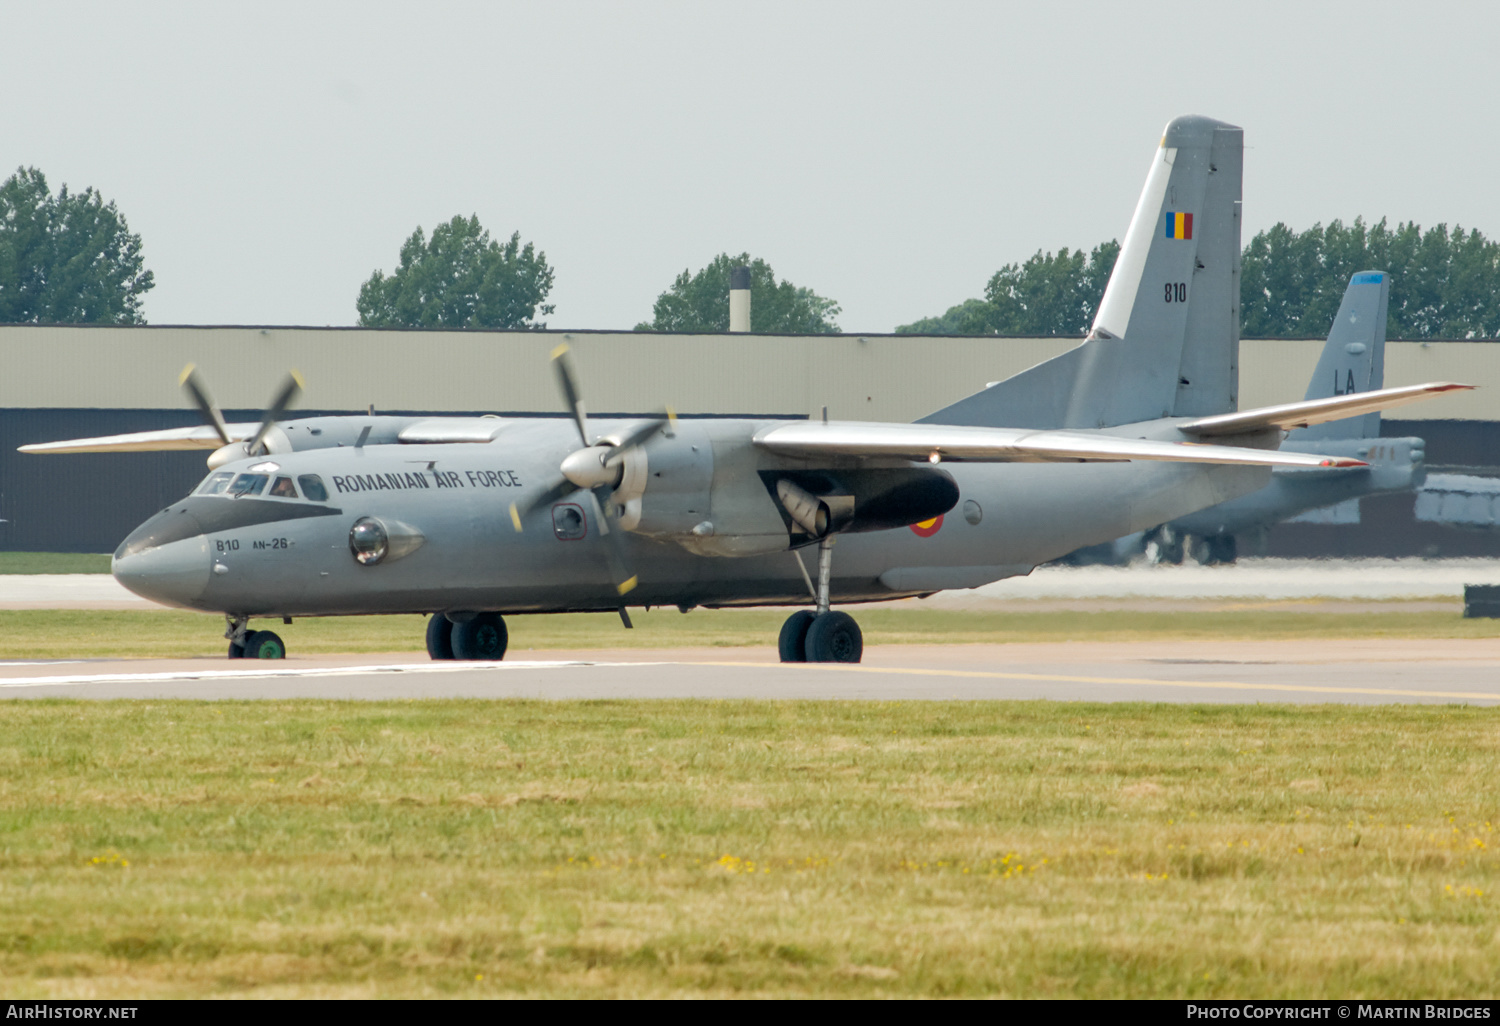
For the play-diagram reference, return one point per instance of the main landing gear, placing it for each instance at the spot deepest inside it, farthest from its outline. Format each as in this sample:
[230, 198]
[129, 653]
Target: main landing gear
[821, 635]
[247, 644]
[466, 636]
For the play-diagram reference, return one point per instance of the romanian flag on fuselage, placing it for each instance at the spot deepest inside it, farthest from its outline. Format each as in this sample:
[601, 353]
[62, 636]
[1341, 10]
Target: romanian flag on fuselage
[1179, 225]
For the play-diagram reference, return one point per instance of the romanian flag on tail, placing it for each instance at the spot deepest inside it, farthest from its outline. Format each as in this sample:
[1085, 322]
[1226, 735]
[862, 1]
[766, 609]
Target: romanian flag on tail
[1179, 225]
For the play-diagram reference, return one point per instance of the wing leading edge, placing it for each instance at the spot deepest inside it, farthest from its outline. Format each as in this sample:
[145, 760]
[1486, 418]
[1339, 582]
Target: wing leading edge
[169, 440]
[948, 443]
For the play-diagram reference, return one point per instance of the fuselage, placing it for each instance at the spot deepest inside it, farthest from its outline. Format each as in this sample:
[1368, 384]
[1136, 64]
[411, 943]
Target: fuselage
[271, 536]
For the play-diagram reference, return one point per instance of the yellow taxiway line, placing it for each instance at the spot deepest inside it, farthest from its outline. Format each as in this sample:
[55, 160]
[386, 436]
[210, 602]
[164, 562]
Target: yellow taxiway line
[1062, 678]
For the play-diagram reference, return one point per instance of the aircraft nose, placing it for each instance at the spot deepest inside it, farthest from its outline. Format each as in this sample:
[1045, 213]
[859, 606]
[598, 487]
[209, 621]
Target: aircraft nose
[174, 574]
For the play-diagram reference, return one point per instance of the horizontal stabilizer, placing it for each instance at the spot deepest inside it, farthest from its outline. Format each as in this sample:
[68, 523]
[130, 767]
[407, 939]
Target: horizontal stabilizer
[1315, 411]
[172, 439]
[951, 443]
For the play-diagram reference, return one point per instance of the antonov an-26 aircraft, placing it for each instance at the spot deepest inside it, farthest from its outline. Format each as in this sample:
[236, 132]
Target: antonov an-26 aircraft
[469, 519]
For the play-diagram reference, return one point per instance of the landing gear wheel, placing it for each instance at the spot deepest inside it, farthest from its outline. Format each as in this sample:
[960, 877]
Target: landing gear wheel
[1216, 550]
[237, 651]
[834, 637]
[793, 641]
[439, 637]
[262, 645]
[483, 637]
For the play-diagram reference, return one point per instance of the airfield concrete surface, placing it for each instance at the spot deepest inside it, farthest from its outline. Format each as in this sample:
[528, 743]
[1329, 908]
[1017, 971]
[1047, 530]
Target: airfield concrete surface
[1372, 579]
[1352, 672]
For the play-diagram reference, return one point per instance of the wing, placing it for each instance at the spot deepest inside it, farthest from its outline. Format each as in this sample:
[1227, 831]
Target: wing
[1316, 411]
[427, 430]
[938, 443]
[201, 437]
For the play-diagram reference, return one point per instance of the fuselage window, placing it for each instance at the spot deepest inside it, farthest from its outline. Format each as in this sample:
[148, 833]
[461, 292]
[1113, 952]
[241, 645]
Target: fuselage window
[249, 484]
[216, 483]
[312, 487]
[284, 488]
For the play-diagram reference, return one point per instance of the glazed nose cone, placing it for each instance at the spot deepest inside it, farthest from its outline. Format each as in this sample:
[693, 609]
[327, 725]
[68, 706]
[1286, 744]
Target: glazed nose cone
[165, 560]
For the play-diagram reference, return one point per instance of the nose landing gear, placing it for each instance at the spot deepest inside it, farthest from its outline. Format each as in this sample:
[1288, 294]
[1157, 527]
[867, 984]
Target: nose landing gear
[821, 635]
[246, 644]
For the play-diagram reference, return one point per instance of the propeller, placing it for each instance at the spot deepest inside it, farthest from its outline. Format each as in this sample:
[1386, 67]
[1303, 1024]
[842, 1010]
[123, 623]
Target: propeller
[598, 467]
[256, 446]
[189, 381]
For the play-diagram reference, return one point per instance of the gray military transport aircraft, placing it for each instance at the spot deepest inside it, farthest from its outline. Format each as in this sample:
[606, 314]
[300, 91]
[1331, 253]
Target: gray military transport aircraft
[469, 519]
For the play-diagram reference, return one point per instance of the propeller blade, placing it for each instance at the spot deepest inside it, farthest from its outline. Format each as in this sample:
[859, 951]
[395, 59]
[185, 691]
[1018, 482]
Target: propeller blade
[189, 381]
[568, 381]
[640, 435]
[284, 399]
[614, 544]
[561, 490]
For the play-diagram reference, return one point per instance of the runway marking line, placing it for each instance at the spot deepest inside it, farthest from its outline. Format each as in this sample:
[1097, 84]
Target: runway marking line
[1072, 679]
[76, 680]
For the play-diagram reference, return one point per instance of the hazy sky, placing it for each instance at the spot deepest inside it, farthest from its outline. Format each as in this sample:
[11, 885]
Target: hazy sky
[890, 156]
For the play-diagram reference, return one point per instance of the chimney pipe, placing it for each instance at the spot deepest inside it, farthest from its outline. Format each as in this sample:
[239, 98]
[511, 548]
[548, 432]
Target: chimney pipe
[739, 299]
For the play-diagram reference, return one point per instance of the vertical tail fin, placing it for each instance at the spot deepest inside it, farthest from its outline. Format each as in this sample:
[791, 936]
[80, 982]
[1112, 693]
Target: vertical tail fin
[1353, 359]
[1166, 339]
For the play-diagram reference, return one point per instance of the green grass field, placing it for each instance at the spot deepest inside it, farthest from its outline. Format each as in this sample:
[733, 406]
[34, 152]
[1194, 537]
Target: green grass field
[53, 563]
[476, 849]
[73, 634]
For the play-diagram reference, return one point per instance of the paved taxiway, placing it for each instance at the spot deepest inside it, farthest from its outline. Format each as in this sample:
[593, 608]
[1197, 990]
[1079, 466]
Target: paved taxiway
[1367, 672]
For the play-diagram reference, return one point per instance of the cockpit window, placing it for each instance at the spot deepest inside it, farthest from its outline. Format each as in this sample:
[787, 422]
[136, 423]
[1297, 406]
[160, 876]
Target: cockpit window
[216, 483]
[249, 484]
[312, 487]
[284, 488]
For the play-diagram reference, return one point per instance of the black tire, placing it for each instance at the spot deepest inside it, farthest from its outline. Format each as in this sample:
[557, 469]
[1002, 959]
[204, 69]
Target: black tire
[483, 637]
[238, 651]
[793, 641]
[1217, 550]
[264, 645]
[439, 637]
[834, 637]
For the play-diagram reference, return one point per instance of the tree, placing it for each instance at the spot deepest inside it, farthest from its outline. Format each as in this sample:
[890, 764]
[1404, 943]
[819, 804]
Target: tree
[460, 278]
[971, 317]
[66, 259]
[1050, 294]
[1443, 285]
[700, 302]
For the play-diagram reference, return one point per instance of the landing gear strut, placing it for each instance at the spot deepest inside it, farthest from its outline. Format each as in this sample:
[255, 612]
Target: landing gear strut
[821, 635]
[247, 644]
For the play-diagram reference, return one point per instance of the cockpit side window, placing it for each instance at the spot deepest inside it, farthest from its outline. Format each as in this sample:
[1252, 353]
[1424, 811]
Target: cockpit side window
[312, 487]
[249, 484]
[215, 484]
[283, 488]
